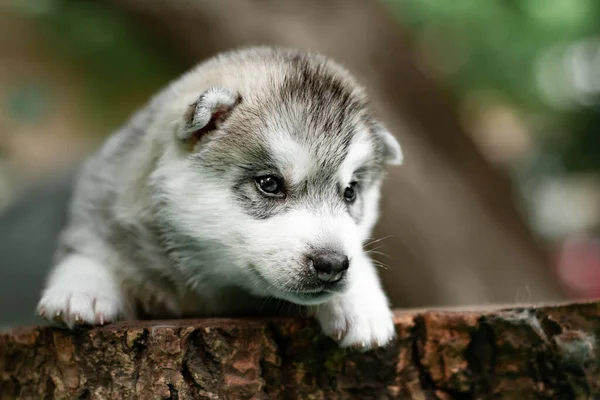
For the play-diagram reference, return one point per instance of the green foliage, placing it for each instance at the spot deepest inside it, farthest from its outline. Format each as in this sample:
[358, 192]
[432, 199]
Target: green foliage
[502, 38]
[500, 42]
[579, 150]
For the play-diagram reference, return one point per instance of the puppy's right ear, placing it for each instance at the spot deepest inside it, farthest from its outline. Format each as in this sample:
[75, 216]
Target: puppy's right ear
[206, 114]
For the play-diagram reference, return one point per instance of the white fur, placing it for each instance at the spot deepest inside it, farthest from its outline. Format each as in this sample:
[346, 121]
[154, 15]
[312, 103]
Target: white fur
[285, 238]
[360, 150]
[294, 159]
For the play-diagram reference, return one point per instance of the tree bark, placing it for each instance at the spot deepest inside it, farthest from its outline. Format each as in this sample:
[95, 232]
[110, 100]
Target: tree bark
[453, 233]
[520, 353]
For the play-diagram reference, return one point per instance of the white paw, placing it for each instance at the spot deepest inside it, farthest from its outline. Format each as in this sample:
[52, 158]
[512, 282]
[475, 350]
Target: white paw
[360, 323]
[81, 291]
[78, 308]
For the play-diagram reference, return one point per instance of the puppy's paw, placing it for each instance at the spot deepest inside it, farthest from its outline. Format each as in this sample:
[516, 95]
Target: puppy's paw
[357, 323]
[77, 307]
[81, 291]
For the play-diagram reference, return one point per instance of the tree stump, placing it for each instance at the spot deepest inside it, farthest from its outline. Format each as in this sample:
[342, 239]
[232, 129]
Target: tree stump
[547, 352]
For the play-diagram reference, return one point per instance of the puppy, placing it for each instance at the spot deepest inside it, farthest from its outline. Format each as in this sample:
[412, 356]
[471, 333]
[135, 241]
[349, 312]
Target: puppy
[246, 187]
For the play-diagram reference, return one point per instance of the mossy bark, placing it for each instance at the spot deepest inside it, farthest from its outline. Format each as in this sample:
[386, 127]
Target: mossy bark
[535, 352]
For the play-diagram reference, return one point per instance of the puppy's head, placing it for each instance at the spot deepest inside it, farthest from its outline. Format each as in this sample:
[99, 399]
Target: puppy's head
[278, 174]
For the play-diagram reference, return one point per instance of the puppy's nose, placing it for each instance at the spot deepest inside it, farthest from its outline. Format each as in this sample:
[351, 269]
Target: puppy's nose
[330, 265]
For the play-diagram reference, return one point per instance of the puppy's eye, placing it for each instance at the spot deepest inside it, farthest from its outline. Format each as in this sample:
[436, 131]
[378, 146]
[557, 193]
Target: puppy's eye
[270, 185]
[350, 193]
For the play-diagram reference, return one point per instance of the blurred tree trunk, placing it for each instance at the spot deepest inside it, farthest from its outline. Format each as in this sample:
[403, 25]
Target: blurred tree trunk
[455, 235]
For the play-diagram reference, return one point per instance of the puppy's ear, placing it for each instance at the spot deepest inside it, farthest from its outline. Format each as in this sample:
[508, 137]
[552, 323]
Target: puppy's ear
[392, 152]
[206, 114]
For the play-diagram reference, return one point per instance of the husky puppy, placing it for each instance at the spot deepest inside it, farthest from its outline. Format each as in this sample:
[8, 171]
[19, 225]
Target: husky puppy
[246, 187]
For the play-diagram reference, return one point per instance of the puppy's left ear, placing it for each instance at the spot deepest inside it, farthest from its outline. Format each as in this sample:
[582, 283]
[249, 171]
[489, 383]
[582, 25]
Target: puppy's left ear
[392, 151]
[206, 114]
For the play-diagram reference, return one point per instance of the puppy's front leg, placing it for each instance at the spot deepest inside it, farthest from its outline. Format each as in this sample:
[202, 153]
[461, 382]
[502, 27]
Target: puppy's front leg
[360, 317]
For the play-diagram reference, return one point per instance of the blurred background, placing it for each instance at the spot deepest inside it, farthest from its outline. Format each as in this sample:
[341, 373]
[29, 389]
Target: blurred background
[496, 104]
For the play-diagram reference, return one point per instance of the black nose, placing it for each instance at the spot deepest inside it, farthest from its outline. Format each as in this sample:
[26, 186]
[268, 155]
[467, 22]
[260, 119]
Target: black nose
[330, 265]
